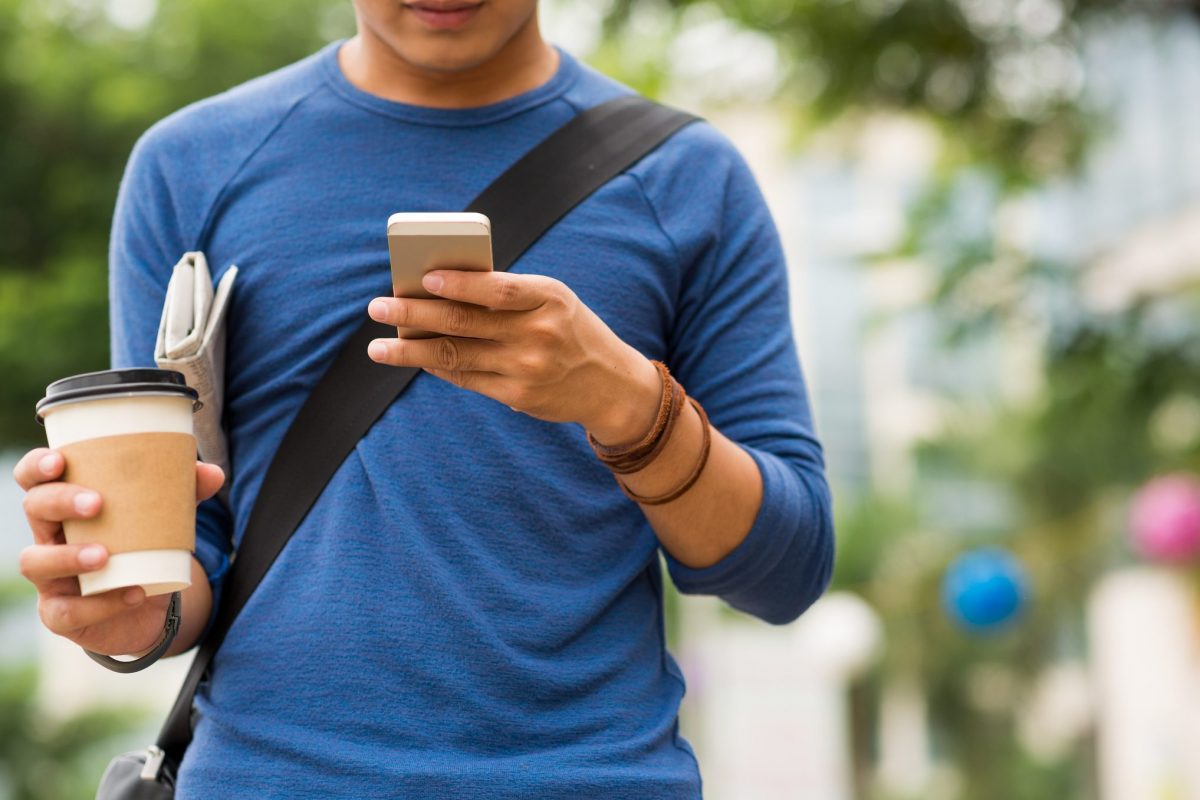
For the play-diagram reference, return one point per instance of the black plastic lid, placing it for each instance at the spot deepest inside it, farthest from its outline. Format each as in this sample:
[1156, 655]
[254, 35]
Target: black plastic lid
[117, 381]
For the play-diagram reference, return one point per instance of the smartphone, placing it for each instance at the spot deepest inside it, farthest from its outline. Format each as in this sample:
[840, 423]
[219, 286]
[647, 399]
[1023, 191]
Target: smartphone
[420, 242]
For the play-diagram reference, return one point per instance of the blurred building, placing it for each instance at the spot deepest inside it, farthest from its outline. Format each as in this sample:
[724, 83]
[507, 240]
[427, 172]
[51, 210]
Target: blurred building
[879, 374]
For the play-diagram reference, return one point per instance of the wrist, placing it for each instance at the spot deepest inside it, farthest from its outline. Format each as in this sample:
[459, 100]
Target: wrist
[158, 636]
[170, 628]
[632, 414]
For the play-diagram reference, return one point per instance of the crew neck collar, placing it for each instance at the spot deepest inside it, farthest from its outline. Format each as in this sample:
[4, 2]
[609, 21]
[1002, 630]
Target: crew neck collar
[566, 74]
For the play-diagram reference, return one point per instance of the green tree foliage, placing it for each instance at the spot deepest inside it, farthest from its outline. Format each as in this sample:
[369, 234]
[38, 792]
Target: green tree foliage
[1001, 79]
[78, 85]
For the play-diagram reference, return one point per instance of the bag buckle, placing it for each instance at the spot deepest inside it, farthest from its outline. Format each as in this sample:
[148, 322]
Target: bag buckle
[153, 765]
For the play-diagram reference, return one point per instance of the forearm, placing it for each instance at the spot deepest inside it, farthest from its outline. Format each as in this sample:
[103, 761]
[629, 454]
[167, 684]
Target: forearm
[709, 520]
[754, 529]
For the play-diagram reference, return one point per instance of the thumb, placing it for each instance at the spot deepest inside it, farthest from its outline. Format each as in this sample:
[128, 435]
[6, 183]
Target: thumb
[209, 479]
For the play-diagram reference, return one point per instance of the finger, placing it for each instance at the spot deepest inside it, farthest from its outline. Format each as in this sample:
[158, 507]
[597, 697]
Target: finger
[38, 466]
[440, 316]
[64, 615]
[209, 480]
[47, 505]
[502, 290]
[441, 352]
[41, 564]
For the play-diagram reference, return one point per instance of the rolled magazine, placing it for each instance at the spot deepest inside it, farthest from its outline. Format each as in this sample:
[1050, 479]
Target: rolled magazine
[191, 339]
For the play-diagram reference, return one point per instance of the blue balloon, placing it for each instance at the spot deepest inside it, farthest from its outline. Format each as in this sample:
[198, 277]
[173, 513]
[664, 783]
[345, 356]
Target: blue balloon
[985, 590]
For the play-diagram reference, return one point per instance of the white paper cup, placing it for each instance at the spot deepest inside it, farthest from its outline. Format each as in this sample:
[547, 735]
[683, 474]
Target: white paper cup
[128, 435]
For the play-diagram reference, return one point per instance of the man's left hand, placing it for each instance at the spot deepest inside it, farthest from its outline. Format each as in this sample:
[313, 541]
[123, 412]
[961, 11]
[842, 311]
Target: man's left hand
[528, 342]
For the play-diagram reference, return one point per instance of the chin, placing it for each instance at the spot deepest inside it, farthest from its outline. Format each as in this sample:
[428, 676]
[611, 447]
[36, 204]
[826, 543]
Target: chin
[456, 47]
[445, 56]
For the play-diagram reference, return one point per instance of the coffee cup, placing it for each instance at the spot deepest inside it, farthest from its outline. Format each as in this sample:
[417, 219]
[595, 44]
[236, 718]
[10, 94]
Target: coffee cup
[127, 434]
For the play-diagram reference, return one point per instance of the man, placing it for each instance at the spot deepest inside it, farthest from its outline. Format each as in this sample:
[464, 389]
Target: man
[473, 608]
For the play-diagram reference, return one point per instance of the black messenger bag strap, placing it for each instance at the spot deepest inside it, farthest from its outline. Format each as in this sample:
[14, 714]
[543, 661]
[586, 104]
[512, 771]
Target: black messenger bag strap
[523, 203]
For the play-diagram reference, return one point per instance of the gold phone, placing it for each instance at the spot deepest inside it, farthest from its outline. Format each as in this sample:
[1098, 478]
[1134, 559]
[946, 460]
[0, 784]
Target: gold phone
[420, 242]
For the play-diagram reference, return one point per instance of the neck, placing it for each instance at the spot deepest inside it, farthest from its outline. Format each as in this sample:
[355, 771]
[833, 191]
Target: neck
[525, 62]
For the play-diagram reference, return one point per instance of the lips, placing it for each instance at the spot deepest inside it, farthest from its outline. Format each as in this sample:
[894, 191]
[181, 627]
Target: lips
[443, 15]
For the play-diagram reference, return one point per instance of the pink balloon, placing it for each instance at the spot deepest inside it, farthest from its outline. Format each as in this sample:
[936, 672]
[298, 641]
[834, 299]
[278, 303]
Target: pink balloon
[1165, 519]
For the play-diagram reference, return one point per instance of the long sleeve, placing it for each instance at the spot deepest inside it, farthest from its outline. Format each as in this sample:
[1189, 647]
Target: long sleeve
[145, 244]
[732, 347]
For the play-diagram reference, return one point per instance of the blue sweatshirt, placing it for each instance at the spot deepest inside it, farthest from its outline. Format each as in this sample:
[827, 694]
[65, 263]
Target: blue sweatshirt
[472, 608]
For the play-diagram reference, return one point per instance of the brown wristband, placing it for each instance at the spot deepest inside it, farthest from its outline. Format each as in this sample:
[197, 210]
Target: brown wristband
[631, 458]
[691, 479]
[635, 462]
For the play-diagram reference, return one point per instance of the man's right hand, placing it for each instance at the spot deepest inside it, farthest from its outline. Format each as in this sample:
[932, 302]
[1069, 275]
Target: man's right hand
[122, 621]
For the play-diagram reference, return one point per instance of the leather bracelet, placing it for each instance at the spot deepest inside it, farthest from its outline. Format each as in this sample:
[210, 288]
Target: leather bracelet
[170, 629]
[639, 451]
[691, 479]
[636, 462]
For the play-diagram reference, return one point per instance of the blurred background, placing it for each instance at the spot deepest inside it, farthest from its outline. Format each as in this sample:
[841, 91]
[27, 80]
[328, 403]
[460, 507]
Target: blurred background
[991, 210]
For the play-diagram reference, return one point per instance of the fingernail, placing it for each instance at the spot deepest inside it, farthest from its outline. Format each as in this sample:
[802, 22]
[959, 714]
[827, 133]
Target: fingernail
[48, 464]
[377, 310]
[91, 555]
[85, 502]
[377, 350]
[433, 282]
[134, 596]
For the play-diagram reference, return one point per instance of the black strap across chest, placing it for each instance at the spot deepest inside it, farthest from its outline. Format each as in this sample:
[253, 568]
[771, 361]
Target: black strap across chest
[522, 204]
